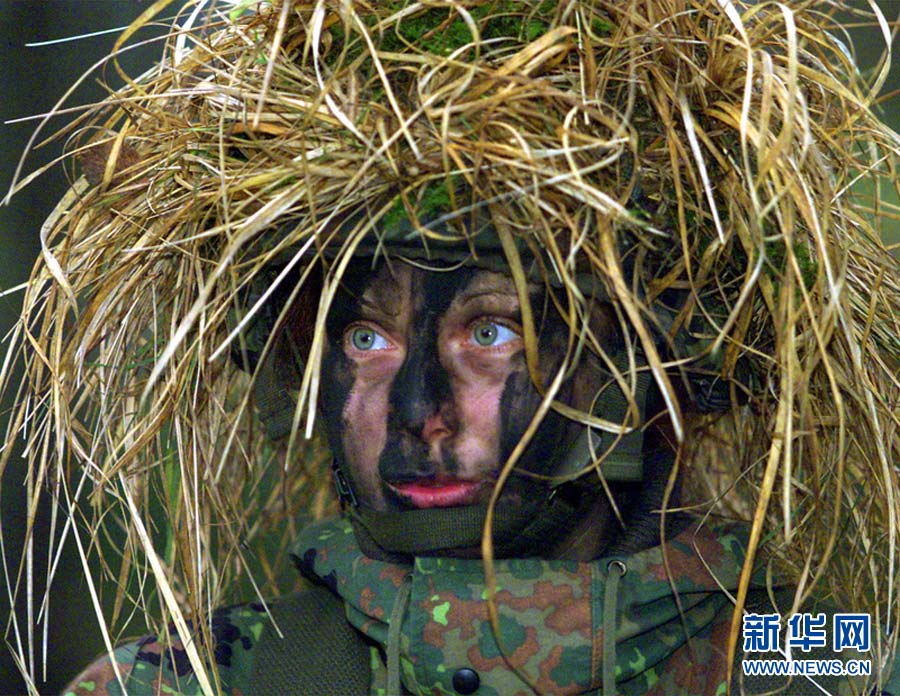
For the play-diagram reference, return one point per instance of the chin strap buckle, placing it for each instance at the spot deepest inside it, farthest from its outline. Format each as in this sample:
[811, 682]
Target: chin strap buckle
[624, 460]
[342, 485]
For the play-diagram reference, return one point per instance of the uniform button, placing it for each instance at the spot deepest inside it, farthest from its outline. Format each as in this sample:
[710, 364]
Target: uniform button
[466, 681]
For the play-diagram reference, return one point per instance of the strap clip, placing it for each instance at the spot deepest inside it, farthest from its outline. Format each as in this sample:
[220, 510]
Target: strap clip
[342, 485]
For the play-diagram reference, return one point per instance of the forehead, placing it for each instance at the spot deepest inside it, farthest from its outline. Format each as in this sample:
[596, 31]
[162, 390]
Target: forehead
[399, 286]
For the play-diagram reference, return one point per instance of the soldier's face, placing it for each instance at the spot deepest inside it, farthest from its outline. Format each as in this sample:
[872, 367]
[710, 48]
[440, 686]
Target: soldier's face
[425, 390]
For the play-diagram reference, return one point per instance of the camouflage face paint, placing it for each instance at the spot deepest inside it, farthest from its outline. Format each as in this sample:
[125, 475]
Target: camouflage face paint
[425, 386]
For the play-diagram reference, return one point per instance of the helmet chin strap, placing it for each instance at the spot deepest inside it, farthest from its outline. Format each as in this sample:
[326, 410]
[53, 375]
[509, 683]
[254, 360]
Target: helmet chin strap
[517, 528]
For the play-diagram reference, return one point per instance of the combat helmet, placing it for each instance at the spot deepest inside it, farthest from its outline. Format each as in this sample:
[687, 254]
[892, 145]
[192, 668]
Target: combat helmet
[694, 164]
[444, 229]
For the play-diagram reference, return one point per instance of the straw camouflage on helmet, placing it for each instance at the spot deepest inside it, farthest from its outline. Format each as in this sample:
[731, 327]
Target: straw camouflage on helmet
[695, 160]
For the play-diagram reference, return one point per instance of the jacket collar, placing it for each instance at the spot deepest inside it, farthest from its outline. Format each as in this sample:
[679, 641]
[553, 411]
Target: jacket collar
[551, 611]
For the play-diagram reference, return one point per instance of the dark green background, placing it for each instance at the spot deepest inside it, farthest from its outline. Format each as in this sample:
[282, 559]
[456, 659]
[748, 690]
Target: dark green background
[32, 80]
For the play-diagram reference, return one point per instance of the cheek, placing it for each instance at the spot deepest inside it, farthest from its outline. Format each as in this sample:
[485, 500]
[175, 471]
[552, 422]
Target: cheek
[355, 414]
[521, 401]
[364, 435]
[518, 404]
[480, 381]
[479, 409]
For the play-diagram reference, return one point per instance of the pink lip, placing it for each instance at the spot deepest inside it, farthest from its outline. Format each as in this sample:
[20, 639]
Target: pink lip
[442, 492]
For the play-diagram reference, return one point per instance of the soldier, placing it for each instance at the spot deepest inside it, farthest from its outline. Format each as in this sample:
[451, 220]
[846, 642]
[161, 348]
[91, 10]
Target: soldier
[582, 297]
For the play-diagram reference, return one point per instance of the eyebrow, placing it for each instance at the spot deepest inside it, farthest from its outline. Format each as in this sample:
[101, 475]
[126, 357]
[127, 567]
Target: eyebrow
[372, 309]
[380, 301]
[467, 297]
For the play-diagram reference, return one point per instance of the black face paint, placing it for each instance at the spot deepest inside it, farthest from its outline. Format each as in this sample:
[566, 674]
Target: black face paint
[521, 401]
[421, 388]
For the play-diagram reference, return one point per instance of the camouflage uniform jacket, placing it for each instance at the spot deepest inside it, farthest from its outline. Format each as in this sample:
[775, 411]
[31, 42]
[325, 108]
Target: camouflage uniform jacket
[553, 616]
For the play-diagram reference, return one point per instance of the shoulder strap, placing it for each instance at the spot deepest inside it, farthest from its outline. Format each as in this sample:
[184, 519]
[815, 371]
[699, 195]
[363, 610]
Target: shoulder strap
[320, 653]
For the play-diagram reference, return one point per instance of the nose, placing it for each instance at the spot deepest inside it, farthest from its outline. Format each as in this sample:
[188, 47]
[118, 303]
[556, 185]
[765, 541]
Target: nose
[421, 396]
[434, 429]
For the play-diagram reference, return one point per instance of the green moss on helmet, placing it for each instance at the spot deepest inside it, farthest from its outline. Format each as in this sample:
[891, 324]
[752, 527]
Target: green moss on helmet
[432, 200]
[443, 30]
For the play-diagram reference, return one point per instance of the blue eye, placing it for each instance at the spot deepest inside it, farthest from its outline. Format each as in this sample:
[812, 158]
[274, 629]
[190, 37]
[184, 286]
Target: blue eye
[490, 333]
[365, 338]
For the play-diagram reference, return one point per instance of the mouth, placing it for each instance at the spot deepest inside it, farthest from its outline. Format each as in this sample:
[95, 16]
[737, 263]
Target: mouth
[438, 492]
